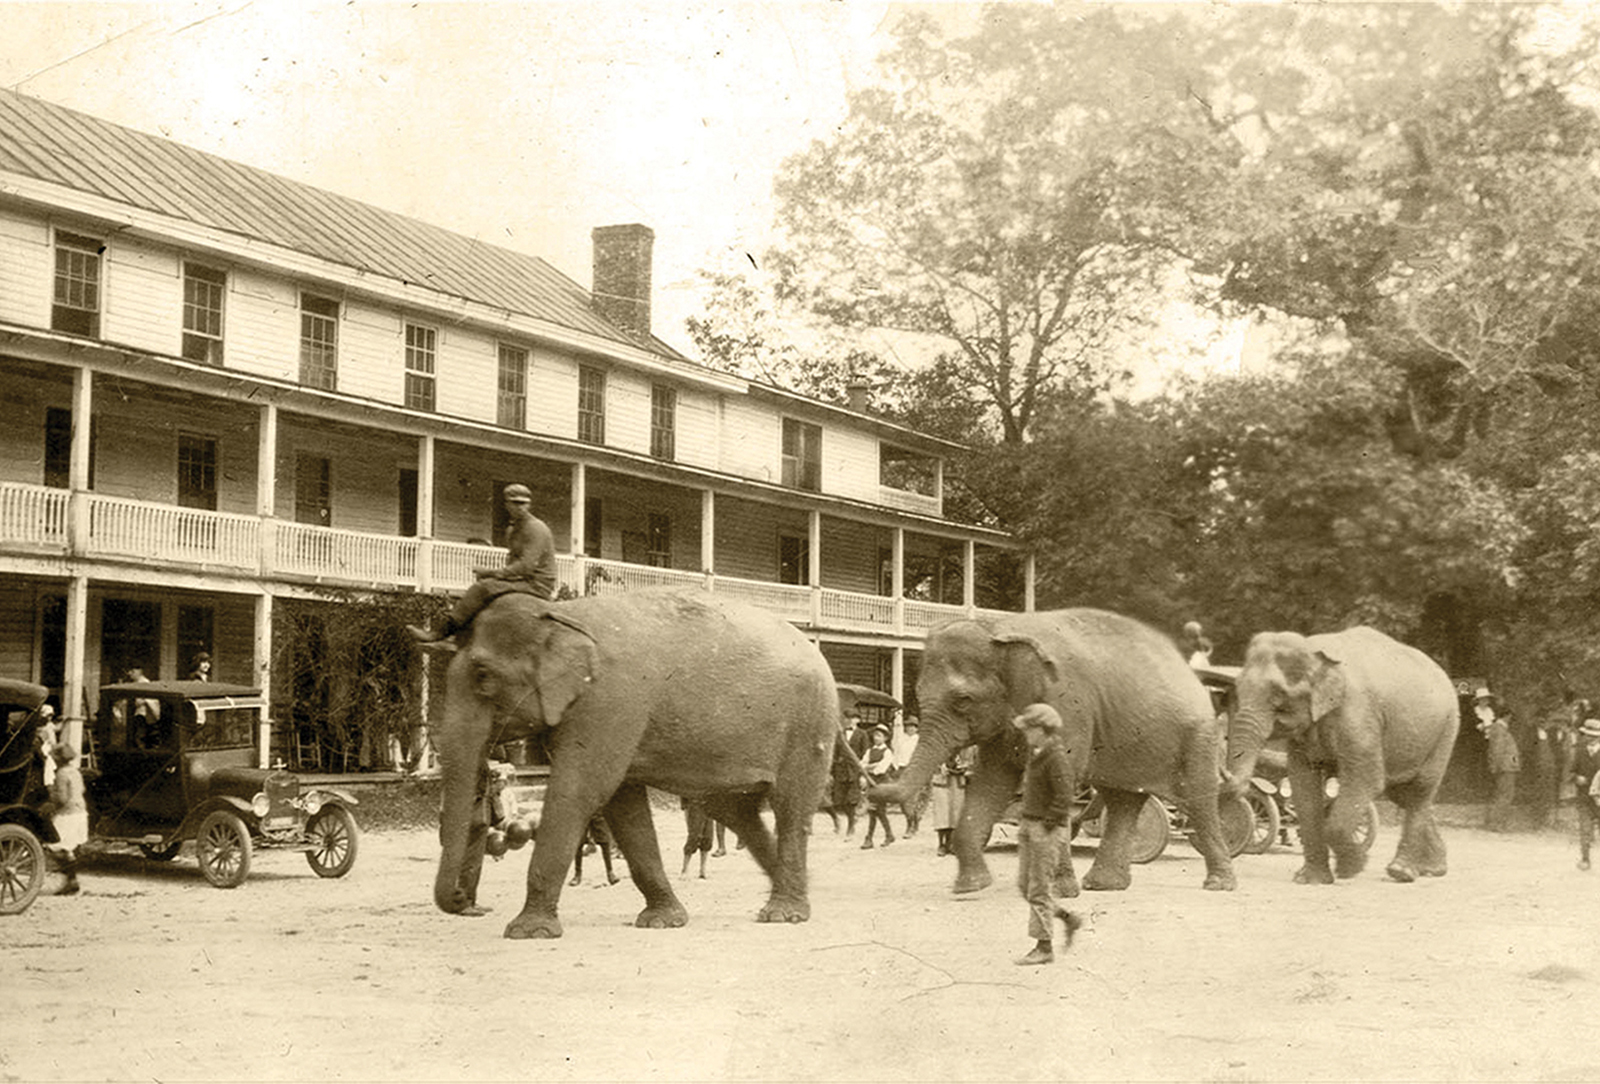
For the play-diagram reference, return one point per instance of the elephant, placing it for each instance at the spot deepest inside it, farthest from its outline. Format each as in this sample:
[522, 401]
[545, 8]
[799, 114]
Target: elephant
[1136, 720]
[700, 696]
[1379, 716]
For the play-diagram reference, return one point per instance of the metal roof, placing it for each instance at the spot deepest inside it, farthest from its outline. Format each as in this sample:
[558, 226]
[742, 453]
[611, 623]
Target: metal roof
[51, 143]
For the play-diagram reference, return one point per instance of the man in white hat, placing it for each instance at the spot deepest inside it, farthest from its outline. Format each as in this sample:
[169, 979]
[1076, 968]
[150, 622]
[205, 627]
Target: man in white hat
[1586, 776]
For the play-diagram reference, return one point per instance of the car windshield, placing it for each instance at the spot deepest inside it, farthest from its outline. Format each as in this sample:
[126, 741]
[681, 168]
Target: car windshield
[220, 728]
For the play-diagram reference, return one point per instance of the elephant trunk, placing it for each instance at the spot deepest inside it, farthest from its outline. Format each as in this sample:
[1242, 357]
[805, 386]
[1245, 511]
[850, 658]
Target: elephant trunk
[460, 774]
[937, 741]
[1248, 730]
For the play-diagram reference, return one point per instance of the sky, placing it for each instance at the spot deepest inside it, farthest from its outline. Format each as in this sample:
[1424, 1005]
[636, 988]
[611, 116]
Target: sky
[523, 124]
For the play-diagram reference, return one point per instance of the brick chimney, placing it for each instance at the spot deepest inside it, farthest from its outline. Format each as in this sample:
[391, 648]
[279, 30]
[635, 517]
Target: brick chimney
[622, 262]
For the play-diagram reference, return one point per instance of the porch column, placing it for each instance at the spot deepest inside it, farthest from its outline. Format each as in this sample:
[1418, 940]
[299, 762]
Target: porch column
[897, 589]
[1029, 569]
[580, 500]
[897, 679]
[708, 537]
[814, 563]
[969, 569]
[74, 701]
[263, 676]
[425, 468]
[267, 484]
[78, 470]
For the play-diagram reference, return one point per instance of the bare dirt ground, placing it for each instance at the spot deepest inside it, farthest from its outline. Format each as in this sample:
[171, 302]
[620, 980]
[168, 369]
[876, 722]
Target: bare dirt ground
[1487, 974]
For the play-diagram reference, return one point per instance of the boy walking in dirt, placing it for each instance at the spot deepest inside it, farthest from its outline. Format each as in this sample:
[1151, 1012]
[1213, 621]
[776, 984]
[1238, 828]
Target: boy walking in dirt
[69, 813]
[1046, 811]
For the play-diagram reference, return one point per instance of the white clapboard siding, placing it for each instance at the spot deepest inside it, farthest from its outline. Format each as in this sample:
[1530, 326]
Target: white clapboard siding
[25, 271]
[371, 353]
[466, 374]
[143, 297]
[261, 321]
[752, 441]
[849, 464]
[695, 438]
[553, 395]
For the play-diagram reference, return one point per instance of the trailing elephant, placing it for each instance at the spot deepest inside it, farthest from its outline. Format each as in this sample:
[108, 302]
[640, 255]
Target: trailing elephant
[705, 698]
[1136, 720]
[1375, 714]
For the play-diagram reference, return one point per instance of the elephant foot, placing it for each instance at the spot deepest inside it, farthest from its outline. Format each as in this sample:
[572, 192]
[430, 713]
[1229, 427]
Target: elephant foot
[1100, 880]
[1313, 875]
[662, 918]
[1220, 882]
[784, 910]
[1347, 865]
[969, 881]
[1404, 872]
[532, 926]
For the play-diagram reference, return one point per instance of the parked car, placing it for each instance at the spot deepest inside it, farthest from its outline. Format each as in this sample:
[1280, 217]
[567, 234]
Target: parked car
[24, 826]
[179, 760]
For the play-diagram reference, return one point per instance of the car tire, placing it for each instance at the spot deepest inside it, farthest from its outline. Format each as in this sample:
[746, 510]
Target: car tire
[334, 839]
[22, 869]
[1150, 832]
[1367, 829]
[223, 848]
[1268, 823]
[1237, 820]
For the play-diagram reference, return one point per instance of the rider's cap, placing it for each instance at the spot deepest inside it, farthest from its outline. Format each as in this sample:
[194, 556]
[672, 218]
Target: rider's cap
[516, 491]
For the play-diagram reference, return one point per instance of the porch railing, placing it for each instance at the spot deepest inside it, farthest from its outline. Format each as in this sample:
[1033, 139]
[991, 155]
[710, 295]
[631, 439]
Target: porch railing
[40, 518]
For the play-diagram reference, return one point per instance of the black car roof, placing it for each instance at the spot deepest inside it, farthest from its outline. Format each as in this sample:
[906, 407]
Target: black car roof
[22, 693]
[189, 690]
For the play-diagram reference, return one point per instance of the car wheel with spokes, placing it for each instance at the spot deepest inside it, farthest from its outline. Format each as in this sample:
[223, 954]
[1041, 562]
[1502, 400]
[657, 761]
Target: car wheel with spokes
[334, 839]
[223, 847]
[21, 868]
[1268, 823]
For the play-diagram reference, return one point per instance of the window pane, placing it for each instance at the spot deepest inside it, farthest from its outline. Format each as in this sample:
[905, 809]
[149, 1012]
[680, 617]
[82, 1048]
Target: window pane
[663, 421]
[512, 403]
[319, 342]
[591, 405]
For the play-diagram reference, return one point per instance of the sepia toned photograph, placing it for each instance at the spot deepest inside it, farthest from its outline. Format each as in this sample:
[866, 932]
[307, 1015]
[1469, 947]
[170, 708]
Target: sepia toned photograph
[799, 541]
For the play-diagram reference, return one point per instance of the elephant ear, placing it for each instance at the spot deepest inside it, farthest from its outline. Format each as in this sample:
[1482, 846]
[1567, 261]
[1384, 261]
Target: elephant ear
[1327, 685]
[1019, 639]
[565, 668]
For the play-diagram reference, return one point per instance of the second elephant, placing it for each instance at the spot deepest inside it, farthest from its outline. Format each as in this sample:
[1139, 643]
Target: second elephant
[1136, 719]
[1359, 707]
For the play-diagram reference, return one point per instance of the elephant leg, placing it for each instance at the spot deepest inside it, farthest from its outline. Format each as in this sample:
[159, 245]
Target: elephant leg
[782, 857]
[1345, 815]
[472, 867]
[562, 825]
[1421, 851]
[1112, 869]
[634, 829]
[1205, 826]
[1309, 808]
[988, 792]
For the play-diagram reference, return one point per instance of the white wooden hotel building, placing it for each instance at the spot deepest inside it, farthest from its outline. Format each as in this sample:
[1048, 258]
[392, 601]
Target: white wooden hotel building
[220, 389]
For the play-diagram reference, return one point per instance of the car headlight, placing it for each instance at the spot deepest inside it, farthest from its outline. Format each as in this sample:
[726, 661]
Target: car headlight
[1284, 788]
[260, 805]
[313, 804]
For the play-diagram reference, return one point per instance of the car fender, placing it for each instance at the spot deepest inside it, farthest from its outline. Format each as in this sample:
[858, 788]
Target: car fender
[191, 823]
[32, 820]
[1263, 785]
[332, 796]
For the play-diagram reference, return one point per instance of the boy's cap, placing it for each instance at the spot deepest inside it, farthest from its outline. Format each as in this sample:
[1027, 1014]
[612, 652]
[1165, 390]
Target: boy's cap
[63, 753]
[1042, 716]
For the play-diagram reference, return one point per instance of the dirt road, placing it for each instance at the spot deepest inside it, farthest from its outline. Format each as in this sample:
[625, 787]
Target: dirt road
[1487, 974]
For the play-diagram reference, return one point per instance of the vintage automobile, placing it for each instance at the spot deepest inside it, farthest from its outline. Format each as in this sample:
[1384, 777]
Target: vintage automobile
[179, 760]
[24, 825]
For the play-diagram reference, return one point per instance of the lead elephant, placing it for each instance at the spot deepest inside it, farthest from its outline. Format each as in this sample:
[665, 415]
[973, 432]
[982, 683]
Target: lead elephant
[1379, 716]
[695, 695]
[1136, 722]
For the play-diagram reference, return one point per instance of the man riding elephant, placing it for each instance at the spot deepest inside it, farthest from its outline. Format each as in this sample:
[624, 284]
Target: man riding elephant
[530, 568]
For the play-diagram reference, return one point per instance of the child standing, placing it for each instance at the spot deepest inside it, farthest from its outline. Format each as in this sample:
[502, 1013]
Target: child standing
[880, 768]
[69, 813]
[1046, 810]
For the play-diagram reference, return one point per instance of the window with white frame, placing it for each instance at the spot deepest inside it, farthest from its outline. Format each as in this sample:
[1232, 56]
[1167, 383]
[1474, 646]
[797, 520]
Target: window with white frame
[421, 351]
[202, 313]
[511, 404]
[591, 404]
[319, 342]
[663, 421]
[76, 307]
[802, 455]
